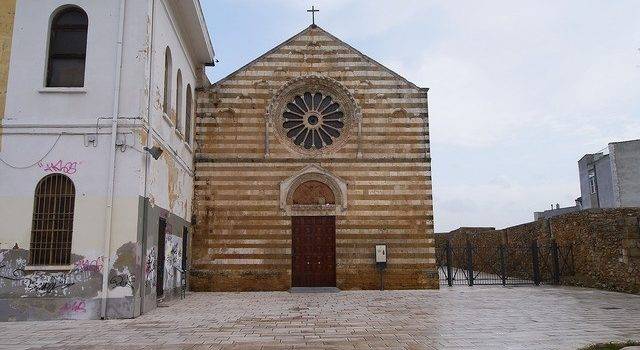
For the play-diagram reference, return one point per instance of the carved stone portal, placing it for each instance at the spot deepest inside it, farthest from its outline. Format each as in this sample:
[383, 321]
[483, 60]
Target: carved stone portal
[313, 191]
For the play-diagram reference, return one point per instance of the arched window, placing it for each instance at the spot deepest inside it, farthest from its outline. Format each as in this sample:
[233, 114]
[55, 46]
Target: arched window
[67, 48]
[189, 111]
[52, 225]
[166, 103]
[179, 103]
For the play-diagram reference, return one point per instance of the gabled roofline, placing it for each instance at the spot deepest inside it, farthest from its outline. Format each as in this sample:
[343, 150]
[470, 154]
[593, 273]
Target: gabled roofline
[314, 26]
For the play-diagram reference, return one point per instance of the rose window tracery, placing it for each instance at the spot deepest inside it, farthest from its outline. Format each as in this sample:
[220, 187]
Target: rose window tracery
[313, 120]
[313, 115]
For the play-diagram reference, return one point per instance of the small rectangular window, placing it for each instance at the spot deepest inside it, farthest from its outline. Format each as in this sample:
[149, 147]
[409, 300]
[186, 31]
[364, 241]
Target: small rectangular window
[592, 182]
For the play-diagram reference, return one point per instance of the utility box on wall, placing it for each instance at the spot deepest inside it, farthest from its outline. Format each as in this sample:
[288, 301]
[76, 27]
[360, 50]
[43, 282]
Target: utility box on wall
[381, 256]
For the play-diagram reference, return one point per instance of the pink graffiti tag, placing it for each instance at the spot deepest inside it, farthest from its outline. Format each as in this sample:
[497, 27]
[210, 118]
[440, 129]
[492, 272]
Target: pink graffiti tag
[94, 265]
[68, 168]
[74, 306]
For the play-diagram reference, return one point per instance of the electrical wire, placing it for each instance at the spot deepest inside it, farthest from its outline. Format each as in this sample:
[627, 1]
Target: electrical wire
[38, 161]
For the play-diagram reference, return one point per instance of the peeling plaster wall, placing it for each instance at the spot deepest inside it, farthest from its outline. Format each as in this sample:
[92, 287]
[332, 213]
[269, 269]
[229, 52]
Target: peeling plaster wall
[171, 176]
[59, 132]
[55, 125]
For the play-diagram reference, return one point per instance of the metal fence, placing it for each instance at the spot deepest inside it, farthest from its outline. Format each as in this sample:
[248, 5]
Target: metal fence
[502, 264]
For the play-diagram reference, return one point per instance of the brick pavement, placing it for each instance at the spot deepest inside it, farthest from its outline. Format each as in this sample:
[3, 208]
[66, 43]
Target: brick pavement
[452, 318]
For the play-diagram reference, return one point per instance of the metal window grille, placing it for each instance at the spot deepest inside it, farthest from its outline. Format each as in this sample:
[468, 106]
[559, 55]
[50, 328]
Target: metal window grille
[52, 224]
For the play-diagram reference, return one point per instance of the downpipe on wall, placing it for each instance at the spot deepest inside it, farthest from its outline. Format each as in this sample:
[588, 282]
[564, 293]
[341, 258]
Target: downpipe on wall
[149, 75]
[112, 163]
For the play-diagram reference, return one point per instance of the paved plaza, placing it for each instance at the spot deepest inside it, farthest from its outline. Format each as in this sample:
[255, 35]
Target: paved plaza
[452, 318]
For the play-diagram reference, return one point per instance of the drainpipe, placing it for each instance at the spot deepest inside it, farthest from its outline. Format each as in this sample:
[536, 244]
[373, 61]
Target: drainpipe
[149, 144]
[112, 163]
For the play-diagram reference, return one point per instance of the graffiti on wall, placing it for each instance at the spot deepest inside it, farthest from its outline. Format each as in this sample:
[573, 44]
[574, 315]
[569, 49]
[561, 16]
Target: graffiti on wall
[41, 282]
[74, 306]
[60, 166]
[173, 257]
[150, 268]
[84, 277]
[123, 280]
[125, 260]
[173, 261]
[88, 264]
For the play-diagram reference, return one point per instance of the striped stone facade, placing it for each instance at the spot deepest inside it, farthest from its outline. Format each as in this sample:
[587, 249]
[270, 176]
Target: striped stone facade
[243, 236]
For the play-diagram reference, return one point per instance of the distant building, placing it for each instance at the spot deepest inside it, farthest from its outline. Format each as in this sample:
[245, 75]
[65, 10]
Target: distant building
[608, 179]
[611, 179]
[555, 211]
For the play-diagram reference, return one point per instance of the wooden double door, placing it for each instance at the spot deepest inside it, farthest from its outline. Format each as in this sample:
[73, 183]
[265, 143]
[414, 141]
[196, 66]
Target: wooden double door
[313, 260]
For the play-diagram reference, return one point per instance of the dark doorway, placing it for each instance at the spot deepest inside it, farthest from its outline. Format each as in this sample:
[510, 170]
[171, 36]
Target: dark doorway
[162, 226]
[185, 246]
[313, 253]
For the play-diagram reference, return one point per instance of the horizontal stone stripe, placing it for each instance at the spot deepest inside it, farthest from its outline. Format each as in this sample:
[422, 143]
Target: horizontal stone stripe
[261, 256]
[273, 198]
[257, 93]
[364, 166]
[367, 102]
[263, 204]
[205, 133]
[353, 84]
[394, 153]
[288, 165]
[259, 143]
[277, 171]
[379, 109]
[412, 150]
[267, 178]
[248, 261]
[276, 81]
[235, 245]
[207, 266]
[343, 77]
[322, 161]
[216, 120]
[364, 70]
[346, 258]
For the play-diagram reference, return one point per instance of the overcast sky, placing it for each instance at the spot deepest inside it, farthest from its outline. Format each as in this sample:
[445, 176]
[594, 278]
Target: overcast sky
[519, 90]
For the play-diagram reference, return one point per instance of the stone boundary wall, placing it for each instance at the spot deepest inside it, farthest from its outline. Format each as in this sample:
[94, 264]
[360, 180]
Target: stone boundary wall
[605, 245]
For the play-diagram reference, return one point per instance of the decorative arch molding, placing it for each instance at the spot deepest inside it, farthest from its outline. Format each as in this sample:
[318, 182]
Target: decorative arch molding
[313, 172]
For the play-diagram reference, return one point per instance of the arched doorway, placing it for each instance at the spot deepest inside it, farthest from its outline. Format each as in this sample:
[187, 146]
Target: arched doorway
[313, 250]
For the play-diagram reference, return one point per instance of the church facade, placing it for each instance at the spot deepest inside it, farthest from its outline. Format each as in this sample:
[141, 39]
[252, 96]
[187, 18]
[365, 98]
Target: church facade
[307, 158]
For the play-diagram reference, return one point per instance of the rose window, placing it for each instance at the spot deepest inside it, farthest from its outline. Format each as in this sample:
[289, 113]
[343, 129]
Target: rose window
[313, 120]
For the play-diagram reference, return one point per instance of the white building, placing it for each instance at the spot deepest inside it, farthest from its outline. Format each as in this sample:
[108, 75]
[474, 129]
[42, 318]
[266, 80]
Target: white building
[92, 225]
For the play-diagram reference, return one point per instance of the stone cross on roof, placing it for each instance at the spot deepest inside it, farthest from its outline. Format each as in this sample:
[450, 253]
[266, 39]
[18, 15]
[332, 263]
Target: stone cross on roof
[313, 14]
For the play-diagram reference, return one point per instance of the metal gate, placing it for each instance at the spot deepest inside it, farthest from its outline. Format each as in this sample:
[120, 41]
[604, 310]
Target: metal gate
[503, 264]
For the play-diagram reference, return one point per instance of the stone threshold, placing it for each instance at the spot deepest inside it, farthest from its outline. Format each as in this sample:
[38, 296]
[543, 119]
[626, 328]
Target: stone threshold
[314, 290]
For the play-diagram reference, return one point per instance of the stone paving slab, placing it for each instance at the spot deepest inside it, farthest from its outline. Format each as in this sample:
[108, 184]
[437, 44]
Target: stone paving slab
[451, 318]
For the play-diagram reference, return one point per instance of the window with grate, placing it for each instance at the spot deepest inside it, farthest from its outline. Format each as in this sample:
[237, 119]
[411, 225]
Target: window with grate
[52, 225]
[67, 48]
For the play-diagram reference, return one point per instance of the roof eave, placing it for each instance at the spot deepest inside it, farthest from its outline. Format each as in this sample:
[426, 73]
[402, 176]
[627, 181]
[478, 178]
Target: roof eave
[210, 53]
